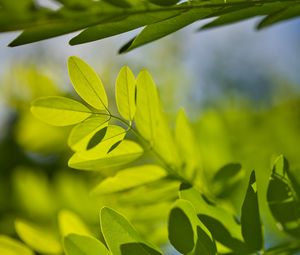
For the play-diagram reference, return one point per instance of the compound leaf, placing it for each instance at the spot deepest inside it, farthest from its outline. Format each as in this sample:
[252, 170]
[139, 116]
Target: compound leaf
[59, 111]
[87, 83]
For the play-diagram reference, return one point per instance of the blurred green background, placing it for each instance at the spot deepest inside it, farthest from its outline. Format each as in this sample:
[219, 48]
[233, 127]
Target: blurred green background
[240, 88]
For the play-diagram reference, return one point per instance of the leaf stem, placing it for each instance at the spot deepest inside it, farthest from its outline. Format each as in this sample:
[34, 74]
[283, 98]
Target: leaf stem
[173, 173]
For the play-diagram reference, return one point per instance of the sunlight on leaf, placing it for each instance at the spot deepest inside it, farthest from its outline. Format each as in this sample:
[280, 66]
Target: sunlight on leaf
[120, 236]
[125, 93]
[87, 83]
[70, 223]
[75, 244]
[81, 134]
[130, 178]
[37, 238]
[10, 246]
[59, 111]
[126, 152]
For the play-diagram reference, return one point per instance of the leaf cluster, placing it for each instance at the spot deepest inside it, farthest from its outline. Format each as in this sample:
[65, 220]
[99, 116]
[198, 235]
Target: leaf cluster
[100, 19]
[198, 221]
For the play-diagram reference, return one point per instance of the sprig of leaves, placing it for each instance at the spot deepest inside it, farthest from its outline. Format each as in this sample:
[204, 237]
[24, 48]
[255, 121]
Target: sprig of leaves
[98, 144]
[102, 19]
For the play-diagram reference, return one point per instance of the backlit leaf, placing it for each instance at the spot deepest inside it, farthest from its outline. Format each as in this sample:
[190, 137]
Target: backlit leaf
[129, 178]
[87, 83]
[37, 238]
[70, 223]
[10, 246]
[125, 93]
[75, 244]
[121, 237]
[151, 122]
[82, 133]
[59, 111]
[187, 144]
[126, 152]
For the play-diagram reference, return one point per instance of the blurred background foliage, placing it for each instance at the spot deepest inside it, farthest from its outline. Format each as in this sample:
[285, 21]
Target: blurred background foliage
[243, 110]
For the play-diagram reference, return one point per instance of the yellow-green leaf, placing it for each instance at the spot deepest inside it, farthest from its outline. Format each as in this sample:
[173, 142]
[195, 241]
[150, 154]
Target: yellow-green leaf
[111, 135]
[40, 240]
[82, 133]
[147, 106]
[187, 144]
[87, 83]
[75, 244]
[129, 178]
[70, 223]
[59, 111]
[124, 153]
[121, 237]
[125, 93]
[151, 122]
[10, 246]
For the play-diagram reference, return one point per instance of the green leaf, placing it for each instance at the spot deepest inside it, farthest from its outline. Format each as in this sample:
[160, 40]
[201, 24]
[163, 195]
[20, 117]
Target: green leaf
[204, 245]
[59, 111]
[164, 2]
[130, 178]
[87, 83]
[289, 12]
[125, 93]
[10, 246]
[126, 152]
[222, 234]
[37, 238]
[250, 218]
[163, 28]
[226, 180]
[151, 122]
[187, 145]
[70, 223]
[282, 198]
[121, 237]
[75, 244]
[236, 14]
[104, 140]
[182, 225]
[147, 106]
[122, 25]
[225, 229]
[82, 133]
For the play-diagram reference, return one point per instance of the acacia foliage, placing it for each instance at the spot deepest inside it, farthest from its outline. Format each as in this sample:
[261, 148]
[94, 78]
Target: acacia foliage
[100, 19]
[198, 222]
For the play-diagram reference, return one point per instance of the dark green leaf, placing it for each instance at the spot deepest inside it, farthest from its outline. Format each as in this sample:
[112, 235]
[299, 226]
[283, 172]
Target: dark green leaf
[282, 198]
[181, 234]
[250, 217]
[280, 15]
[97, 138]
[160, 29]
